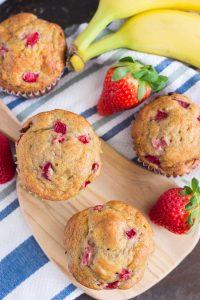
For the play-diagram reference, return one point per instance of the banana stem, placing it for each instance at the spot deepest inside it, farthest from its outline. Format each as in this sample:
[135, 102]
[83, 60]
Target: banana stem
[110, 42]
[99, 21]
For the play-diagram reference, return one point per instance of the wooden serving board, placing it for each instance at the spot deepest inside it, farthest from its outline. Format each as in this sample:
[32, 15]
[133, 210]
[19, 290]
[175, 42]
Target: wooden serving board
[120, 179]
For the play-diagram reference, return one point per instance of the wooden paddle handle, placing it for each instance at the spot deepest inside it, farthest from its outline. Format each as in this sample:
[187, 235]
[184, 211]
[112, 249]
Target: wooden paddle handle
[9, 125]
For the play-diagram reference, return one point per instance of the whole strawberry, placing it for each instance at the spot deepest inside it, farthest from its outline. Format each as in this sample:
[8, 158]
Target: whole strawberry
[7, 166]
[178, 209]
[127, 84]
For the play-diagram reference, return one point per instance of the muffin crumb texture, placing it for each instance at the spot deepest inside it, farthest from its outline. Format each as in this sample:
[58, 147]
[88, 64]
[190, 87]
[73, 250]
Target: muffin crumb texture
[58, 154]
[166, 135]
[108, 246]
[32, 53]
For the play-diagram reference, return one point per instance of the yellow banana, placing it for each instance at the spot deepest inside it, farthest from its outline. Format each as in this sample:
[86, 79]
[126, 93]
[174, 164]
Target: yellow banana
[110, 10]
[171, 33]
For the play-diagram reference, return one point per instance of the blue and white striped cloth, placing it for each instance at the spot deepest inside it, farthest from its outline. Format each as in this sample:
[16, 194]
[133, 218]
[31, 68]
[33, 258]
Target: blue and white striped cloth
[25, 271]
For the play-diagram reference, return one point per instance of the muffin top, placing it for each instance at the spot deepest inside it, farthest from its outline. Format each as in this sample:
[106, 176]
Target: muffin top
[58, 154]
[166, 134]
[32, 53]
[108, 246]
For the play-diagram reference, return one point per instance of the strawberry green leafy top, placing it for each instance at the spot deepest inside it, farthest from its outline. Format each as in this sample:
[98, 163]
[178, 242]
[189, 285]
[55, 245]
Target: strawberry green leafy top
[193, 207]
[145, 74]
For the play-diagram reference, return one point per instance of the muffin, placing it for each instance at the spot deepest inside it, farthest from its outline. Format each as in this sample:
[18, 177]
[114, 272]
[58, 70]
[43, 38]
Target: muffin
[108, 246]
[32, 55]
[166, 135]
[58, 154]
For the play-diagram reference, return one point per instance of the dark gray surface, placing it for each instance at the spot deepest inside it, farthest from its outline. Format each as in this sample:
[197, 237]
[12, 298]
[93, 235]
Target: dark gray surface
[184, 282]
[63, 12]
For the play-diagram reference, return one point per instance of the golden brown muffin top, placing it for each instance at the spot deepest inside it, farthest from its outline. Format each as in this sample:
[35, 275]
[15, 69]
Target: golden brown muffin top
[166, 133]
[58, 154]
[32, 53]
[108, 245]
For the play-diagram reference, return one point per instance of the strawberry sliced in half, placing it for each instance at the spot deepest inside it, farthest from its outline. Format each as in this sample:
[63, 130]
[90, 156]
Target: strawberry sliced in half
[127, 84]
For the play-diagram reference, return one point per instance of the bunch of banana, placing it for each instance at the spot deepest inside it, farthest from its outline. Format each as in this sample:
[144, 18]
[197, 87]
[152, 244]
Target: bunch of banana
[165, 32]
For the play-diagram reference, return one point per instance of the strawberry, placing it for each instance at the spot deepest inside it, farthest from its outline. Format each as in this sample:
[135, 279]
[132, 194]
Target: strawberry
[3, 51]
[60, 127]
[84, 139]
[183, 103]
[86, 258]
[30, 77]
[130, 234]
[32, 38]
[127, 84]
[125, 274]
[95, 167]
[178, 209]
[112, 285]
[47, 170]
[7, 166]
[86, 183]
[98, 207]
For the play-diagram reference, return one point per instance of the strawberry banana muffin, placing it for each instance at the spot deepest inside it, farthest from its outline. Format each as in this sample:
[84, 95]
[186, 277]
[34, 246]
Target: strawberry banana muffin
[32, 55]
[108, 246]
[58, 154]
[166, 134]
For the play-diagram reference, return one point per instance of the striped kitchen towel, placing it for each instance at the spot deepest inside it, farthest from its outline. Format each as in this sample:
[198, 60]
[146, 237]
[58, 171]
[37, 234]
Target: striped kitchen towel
[25, 271]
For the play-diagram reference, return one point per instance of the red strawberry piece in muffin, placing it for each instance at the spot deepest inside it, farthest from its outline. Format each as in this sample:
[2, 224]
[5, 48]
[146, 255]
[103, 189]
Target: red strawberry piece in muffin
[47, 170]
[32, 39]
[161, 115]
[125, 274]
[98, 207]
[112, 285]
[159, 143]
[30, 77]
[130, 234]
[183, 103]
[3, 50]
[60, 127]
[153, 159]
[87, 254]
[26, 128]
[59, 139]
[85, 139]
[95, 167]
[85, 184]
